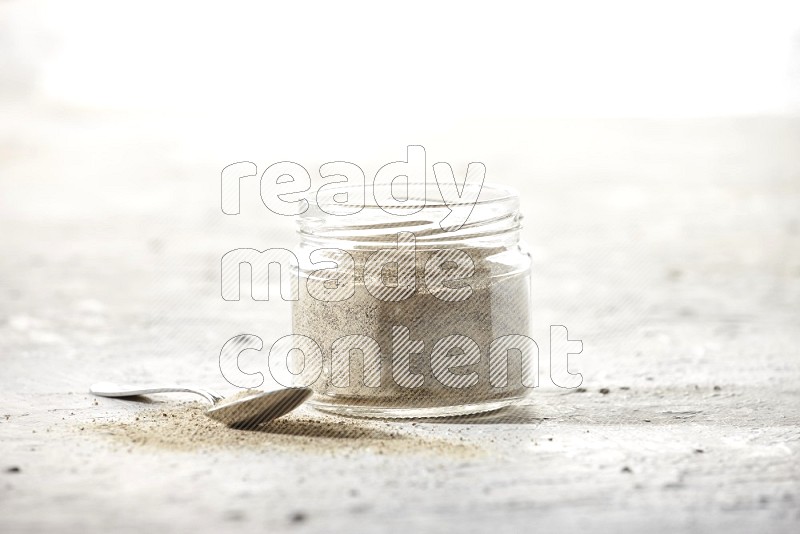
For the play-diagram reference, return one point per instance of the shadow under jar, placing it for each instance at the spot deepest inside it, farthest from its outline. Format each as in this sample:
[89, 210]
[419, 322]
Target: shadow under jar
[413, 320]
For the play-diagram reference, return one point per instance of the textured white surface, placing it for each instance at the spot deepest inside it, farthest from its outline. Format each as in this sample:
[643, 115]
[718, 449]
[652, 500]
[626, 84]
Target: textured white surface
[672, 249]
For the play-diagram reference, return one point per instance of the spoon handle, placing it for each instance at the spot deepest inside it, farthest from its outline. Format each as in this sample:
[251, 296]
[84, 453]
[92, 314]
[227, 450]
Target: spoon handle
[109, 389]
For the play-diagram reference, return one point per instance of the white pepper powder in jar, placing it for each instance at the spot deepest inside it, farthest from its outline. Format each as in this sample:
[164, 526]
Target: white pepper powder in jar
[413, 320]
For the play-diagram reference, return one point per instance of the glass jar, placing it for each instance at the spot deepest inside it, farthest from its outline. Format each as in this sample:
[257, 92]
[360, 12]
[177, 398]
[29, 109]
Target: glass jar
[413, 319]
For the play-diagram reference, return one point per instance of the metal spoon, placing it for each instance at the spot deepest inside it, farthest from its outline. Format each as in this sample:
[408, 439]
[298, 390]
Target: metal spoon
[245, 412]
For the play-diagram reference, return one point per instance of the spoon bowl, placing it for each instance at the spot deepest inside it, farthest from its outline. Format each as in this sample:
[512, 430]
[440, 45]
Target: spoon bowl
[253, 410]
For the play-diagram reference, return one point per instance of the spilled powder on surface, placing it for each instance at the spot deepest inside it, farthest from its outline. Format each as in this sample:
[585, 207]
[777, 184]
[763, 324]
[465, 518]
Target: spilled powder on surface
[185, 427]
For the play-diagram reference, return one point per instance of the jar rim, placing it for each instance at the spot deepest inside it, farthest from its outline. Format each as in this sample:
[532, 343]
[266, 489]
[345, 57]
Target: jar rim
[488, 193]
[496, 213]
